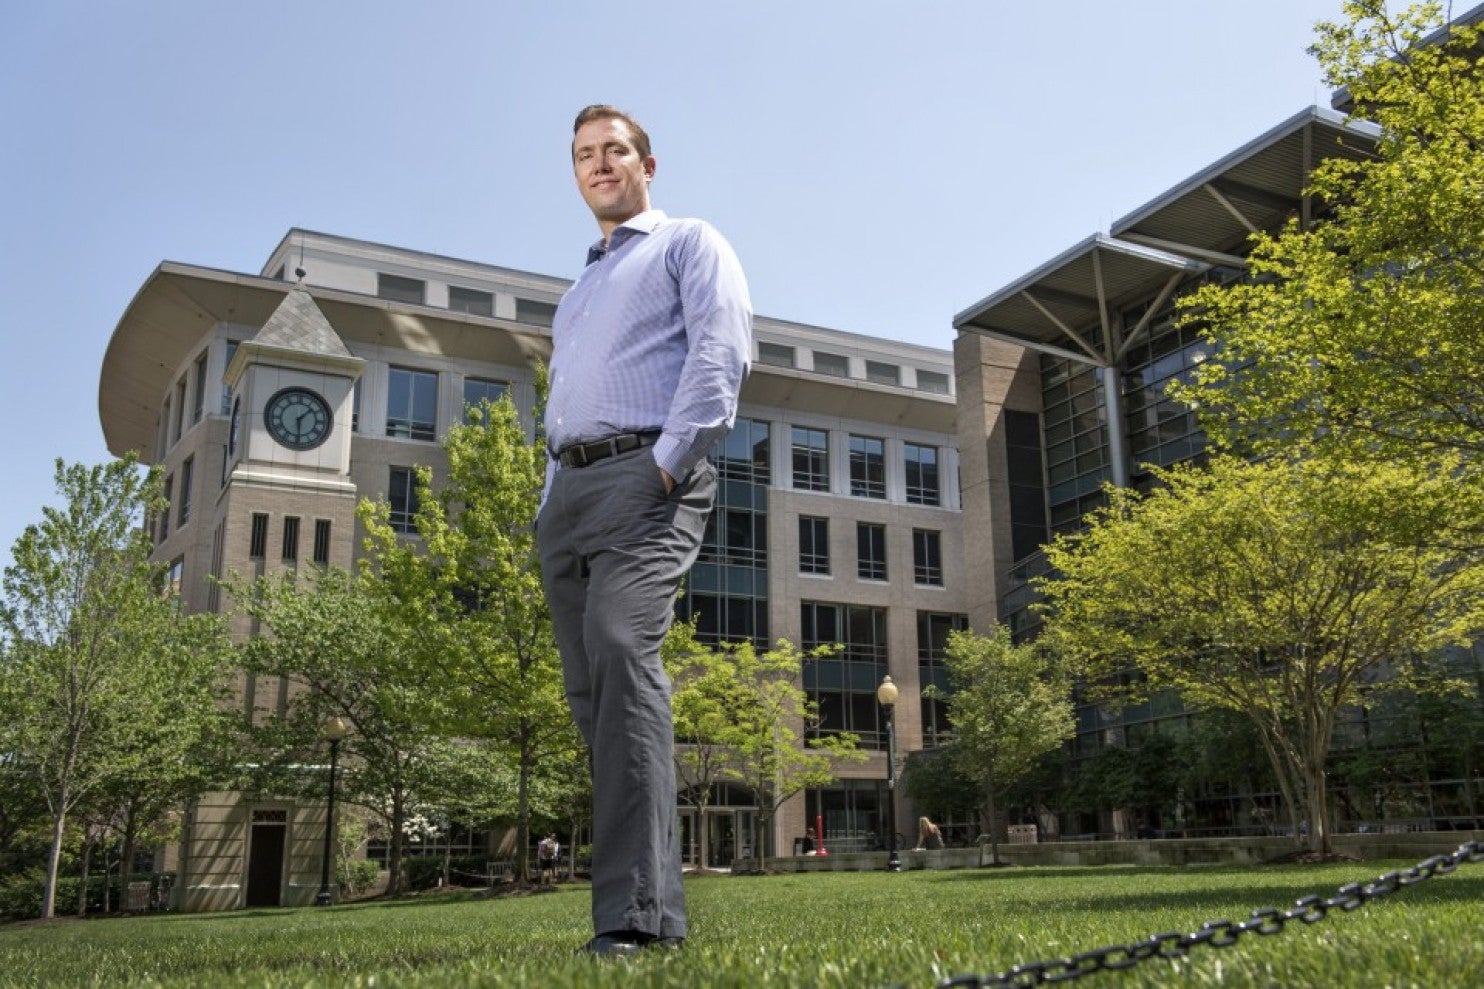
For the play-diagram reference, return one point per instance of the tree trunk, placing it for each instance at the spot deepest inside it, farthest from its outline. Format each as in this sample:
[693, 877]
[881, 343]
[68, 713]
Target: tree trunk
[700, 806]
[53, 860]
[126, 864]
[994, 832]
[107, 876]
[1285, 777]
[523, 805]
[1318, 804]
[394, 853]
[82, 882]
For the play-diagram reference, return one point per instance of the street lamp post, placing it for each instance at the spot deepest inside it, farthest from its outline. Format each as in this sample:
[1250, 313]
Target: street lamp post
[334, 730]
[886, 696]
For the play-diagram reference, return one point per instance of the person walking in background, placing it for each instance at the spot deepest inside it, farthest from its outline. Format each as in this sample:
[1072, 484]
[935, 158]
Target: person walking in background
[650, 347]
[929, 835]
[548, 850]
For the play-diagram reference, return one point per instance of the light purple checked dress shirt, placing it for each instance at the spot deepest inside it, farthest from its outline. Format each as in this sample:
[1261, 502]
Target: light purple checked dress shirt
[655, 334]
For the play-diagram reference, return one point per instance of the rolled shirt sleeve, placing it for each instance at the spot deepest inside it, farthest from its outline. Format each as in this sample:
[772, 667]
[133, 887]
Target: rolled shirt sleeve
[717, 315]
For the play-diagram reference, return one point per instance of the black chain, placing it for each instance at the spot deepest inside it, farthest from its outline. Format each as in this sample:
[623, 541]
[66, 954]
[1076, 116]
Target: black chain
[1220, 933]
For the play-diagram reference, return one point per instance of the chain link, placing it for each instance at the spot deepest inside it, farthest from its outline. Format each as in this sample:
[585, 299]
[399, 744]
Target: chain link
[1220, 933]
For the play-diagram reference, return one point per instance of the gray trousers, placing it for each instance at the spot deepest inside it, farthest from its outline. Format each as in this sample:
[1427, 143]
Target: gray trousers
[614, 548]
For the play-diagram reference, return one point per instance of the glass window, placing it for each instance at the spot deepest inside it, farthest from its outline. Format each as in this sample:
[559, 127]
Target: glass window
[291, 537]
[922, 474]
[400, 289]
[933, 629]
[322, 541]
[811, 459]
[180, 399]
[226, 409]
[187, 468]
[932, 381]
[412, 404]
[355, 406]
[402, 495]
[165, 514]
[198, 404]
[258, 541]
[175, 577]
[471, 300]
[743, 454]
[832, 364]
[537, 313]
[479, 390]
[843, 686]
[814, 545]
[883, 373]
[870, 542]
[867, 467]
[775, 354]
[927, 557]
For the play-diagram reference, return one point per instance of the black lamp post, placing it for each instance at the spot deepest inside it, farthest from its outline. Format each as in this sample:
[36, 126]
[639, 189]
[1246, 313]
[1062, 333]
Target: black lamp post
[334, 731]
[886, 696]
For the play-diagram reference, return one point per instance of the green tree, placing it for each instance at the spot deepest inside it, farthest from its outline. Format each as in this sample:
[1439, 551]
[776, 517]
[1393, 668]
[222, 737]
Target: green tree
[336, 637]
[936, 784]
[706, 698]
[1009, 708]
[1284, 591]
[765, 718]
[1360, 332]
[104, 676]
[472, 598]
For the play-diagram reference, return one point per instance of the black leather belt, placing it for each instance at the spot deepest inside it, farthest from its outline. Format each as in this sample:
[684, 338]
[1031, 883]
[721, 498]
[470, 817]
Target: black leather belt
[582, 454]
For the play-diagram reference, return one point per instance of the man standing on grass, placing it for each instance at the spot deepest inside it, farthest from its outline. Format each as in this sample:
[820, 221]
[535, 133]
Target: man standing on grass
[650, 346]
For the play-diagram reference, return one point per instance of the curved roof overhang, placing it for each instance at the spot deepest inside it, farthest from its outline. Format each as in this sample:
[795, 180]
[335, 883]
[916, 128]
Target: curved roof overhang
[179, 304]
[849, 398]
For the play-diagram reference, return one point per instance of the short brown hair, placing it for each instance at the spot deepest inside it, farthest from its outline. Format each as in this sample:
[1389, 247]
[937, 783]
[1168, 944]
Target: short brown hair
[602, 111]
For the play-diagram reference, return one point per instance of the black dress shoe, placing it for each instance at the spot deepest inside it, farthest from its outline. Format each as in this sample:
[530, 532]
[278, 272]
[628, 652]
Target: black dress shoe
[615, 944]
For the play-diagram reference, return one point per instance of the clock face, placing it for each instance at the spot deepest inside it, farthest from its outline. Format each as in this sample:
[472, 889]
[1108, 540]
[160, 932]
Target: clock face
[298, 418]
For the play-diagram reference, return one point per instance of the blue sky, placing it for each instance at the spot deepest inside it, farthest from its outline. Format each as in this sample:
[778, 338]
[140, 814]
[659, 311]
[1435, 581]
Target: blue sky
[878, 165]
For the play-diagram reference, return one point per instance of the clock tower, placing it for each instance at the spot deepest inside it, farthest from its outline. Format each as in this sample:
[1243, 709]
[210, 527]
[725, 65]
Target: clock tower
[291, 403]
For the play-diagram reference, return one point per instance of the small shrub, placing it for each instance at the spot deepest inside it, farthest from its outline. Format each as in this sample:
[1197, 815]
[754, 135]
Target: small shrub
[357, 876]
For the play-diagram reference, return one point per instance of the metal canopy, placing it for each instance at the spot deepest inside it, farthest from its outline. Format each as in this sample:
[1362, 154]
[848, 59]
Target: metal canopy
[1259, 186]
[1065, 306]
[1070, 305]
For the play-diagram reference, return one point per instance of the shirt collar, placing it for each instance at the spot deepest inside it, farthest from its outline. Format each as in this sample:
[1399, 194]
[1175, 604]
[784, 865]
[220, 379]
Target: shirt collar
[642, 223]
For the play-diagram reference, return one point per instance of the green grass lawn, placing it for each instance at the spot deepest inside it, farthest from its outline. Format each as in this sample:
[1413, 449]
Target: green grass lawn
[868, 930]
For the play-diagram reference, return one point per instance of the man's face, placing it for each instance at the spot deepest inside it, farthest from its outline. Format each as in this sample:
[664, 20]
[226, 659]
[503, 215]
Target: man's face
[612, 177]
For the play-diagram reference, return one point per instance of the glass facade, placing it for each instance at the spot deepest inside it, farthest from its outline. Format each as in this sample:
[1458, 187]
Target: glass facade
[854, 813]
[814, 544]
[867, 467]
[1073, 417]
[933, 629]
[811, 459]
[843, 686]
[412, 404]
[921, 464]
[480, 390]
[870, 542]
[726, 591]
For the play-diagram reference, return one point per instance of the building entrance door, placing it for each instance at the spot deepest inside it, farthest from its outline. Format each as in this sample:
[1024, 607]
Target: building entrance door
[721, 839]
[265, 858]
